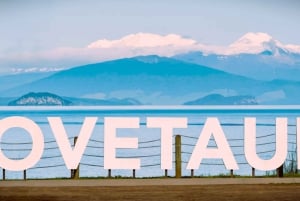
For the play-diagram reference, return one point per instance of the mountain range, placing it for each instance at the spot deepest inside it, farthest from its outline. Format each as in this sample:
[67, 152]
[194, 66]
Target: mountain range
[157, 80]
[142, 78]
[255, 66]
[255, 55]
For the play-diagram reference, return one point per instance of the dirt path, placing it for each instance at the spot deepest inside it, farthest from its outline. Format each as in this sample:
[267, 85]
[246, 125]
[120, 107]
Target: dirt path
[274, 192]
[147, 182]
[231, 189]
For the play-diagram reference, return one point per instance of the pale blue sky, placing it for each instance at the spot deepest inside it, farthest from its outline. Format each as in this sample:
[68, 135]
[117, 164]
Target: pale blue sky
[33, 26]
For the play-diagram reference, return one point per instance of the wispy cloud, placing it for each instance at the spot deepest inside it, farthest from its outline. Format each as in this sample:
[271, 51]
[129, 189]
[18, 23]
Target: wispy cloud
[144, 40]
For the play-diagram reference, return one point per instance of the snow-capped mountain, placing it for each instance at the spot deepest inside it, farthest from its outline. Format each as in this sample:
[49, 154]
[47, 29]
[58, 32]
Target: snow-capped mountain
[256, 43]
[255, 55]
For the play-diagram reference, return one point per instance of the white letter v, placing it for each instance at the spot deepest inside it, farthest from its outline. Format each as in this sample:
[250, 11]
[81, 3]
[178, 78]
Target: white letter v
[71, 156]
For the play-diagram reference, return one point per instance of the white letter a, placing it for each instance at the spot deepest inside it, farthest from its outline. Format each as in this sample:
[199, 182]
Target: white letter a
[213, 128]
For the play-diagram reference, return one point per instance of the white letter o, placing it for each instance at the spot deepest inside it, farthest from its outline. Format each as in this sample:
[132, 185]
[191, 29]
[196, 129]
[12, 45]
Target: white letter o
[37, 143]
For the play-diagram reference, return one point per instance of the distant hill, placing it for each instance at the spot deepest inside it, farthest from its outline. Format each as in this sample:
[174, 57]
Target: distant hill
[99, 102]
[157, 80]
[217, 99]
[49, 99]
[149, 79]
[40, 99]
[263, 66]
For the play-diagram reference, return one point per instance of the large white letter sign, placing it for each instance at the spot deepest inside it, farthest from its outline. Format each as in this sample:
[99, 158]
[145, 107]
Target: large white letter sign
[71, 156]
[213, 128]
[250, 145]
[167, 125]
[112, 142]
[37, 143]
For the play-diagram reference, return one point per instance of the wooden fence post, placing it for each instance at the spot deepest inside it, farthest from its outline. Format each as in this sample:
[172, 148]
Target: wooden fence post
[231, 173]
[24, 175]
[109, 173]
[166, 173]
[178, 156]
[133, 173]
[75, 172]
[280, 171]
[3, 174]
[192, 173]
[253, 172]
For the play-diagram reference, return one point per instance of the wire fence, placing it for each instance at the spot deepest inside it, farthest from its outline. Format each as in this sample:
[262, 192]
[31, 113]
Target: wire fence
[51, 164]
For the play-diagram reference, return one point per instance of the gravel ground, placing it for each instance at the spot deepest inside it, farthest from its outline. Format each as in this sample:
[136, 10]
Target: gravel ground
[235, 189]
[246, 192]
